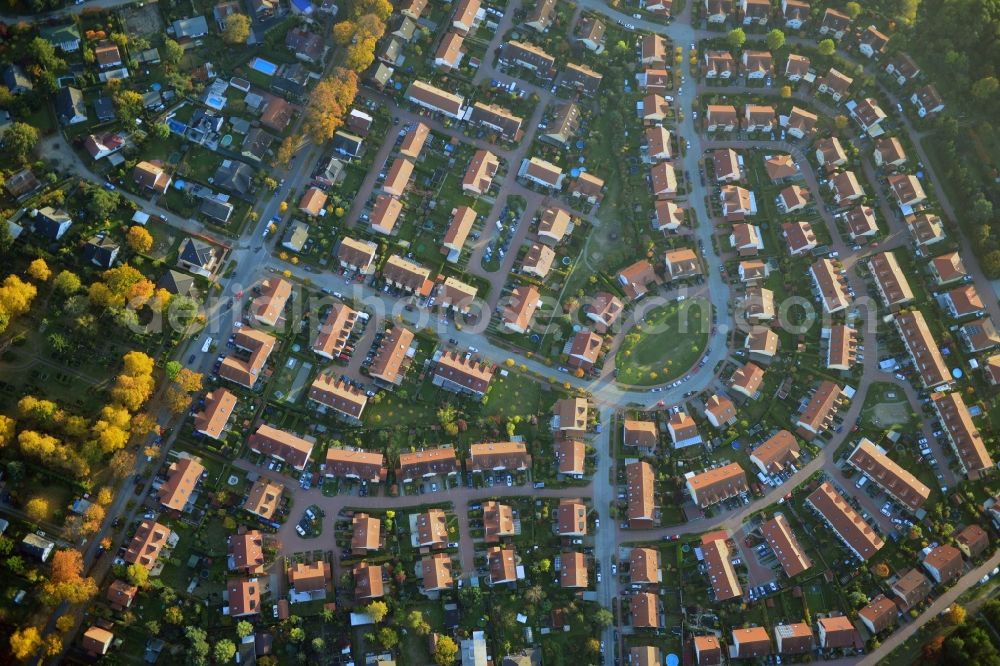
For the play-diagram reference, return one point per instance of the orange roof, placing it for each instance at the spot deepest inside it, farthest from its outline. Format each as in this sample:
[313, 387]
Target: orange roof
[181, 481]
[717, 484]
[244, 597]
[312, 201]
[147, 543]
[368, 581]
[270, 304]
[247, 552]
[845, 521]
[309, 577]
[285, 446]
[246, 373]
[897, 481]
[391, 354]
[779, 536]
[219, 406]
[264, 498]
[720, 571]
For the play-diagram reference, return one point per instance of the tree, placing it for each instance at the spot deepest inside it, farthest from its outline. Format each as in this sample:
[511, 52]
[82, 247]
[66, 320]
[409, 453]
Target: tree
[603, 618]
[39, 270]
[990, 263]
[161, 131]
[881, 570]
[417, 623]
[64, 623]
[786, 92]
[287, 149]
[344, 32]
[986, 87]
[361, 54]
[956, 614]
[593, 646]
[377, 610]
[19, 140]
[139, 239]
[103, 203]
[7, 429]
[53, 645]
[137, 574]
[189, 380]
[736, 38]
[16, 296]
[24, 643]
[122, 463]
[173, 615]
[66, 582]
[243, 628]
[380, 8]
[172, 52]
[237, 29]
[840, 121]
[66, 283]
[129, 103]
[446, 651]
[197, 651]
[388, 638]
[171, 369]
[857, 598]
[45, 55]
[224, 650]
[826, 47]
[775, 40]
[37, 509]
[853, 10]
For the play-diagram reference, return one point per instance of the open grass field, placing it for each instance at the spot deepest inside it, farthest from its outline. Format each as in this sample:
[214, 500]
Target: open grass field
[665, 345]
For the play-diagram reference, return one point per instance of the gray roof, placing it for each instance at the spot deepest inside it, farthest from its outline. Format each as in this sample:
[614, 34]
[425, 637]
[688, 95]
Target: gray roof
[176, 282]
[69, 103]
[16, 79]
[234, 175]
[196, 252]
[215, 209]
[196, 26]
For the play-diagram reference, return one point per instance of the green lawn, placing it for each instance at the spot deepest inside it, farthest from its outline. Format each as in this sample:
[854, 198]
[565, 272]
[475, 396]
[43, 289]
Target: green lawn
[665, 345]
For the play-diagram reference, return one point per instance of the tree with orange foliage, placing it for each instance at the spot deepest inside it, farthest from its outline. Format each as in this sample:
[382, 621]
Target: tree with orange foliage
[189, 380]
[66, 582]
[344, 32]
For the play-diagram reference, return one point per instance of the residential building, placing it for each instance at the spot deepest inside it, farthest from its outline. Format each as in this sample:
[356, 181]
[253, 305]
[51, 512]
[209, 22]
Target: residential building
[498, 457]
[911, 588]
[264, 499]
[642, 435]
[900, 484]
[456, 373]
[841, 348]
[256, 346]
[794, 638]
[642, 512]
[822, 407]
[498, 521]
[574, 572]
[721, 118]
[963, 437]
[837, 632]
[366, 534]
[879, 614]
[778, 454]
[830, 285]
[717, 555]
[857, 535]
[182, 479]
[347, 401]
[944, 564]
[368, 582]
[683, 430]
[393, 356]
[781, 540]
[747, 380]
[716, 485]
[720, 411]
[923, 349]
[751, 642]
[419, 465]
[147, 543]
[479, 176]
[571, 518]
[517, 315]
[890, 281]
[278, 444]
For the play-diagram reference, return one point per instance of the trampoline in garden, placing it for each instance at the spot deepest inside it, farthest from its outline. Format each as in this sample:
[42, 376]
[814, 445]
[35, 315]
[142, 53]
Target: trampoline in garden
[226, 141]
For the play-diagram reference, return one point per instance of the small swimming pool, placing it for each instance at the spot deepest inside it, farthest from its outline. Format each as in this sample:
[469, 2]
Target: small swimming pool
[226, 140]
[263, 66]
